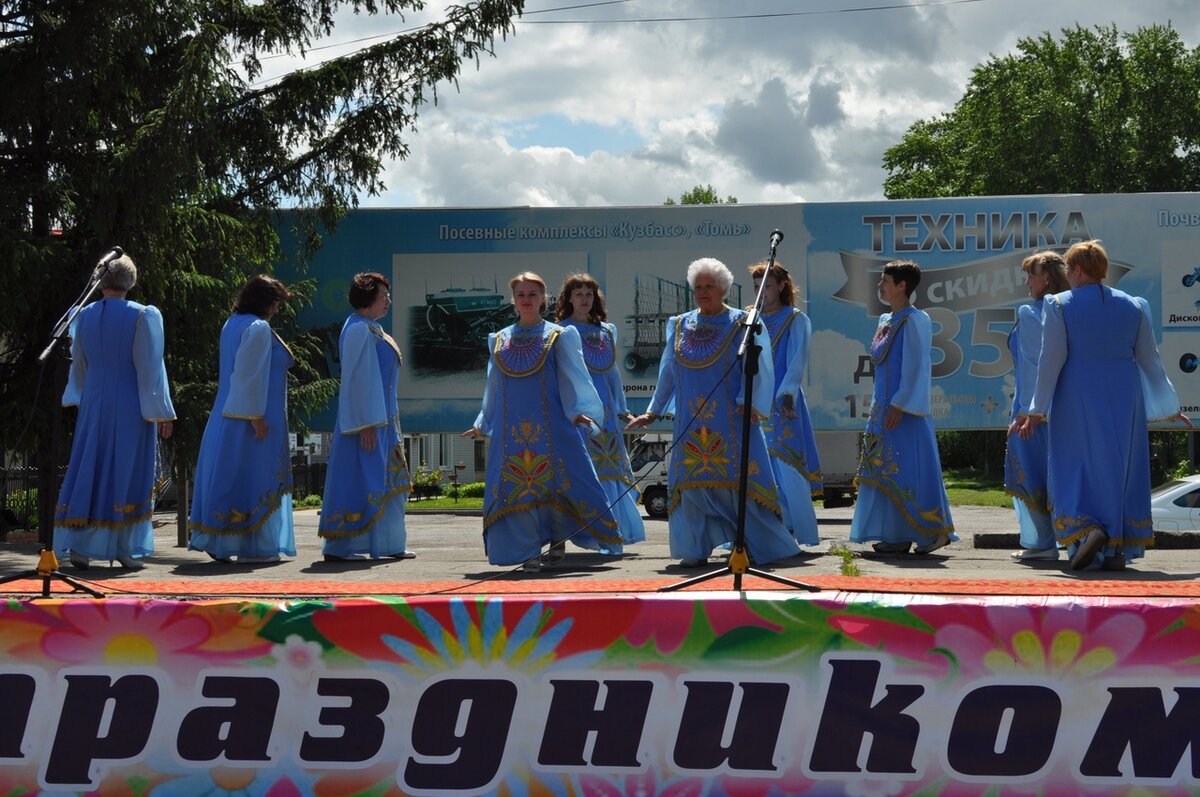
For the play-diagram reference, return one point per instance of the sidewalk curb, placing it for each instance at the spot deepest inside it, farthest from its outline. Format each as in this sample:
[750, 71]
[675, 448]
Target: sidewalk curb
[1163, 540]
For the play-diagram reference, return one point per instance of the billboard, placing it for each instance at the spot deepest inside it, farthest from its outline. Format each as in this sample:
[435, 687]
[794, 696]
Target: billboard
[450, 270]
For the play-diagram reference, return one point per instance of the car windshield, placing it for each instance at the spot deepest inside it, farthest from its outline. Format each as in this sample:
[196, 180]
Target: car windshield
[1165, 488]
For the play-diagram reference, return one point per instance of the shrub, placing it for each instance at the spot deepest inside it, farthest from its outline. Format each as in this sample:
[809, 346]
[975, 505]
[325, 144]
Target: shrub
[307, 502]
[24, 504]
[473, 490]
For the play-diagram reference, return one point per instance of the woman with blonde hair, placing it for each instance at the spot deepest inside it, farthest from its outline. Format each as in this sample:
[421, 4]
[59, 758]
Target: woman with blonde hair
[541, 487]
[581, 305]
[789, 430]
[1025, 461]
[1100, 381]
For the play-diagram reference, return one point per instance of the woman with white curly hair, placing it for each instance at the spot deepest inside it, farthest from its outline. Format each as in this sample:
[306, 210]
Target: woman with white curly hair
[700, 380]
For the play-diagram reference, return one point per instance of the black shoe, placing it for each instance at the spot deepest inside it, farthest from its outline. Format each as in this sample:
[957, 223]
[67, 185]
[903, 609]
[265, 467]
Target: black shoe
[1113, 562]
[1088, 548]
[225, 560]
[402, 555]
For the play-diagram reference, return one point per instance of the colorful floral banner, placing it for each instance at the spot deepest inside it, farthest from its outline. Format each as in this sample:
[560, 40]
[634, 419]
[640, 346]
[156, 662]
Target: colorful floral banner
[686, 694]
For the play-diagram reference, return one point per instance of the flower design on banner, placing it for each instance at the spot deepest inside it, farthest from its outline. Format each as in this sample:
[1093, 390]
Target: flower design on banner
[1080, 644]
[439, 635]
[299, 658]
[141, 633]
[235, 782]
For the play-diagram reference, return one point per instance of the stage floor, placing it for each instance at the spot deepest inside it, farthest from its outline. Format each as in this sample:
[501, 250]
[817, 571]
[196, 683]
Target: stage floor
[450, 560]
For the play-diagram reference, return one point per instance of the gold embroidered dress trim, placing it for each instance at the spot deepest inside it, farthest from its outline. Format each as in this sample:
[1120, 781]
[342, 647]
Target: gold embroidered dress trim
[604, 345]
[889, 339]
[694, 335]
[777, 335]
[547, 341]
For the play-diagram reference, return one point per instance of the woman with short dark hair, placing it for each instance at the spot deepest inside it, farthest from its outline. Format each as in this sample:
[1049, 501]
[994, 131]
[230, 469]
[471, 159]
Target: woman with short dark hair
[368, 481]
[242, 491]
[901, 496]
[119, 382]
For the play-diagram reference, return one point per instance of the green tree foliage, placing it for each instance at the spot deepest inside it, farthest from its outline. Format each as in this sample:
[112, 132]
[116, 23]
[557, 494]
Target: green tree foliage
[1096, 111]
[163, 127]
[702, 195]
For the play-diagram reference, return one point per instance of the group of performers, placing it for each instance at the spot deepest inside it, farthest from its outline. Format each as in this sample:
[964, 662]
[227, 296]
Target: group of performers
[554, 414]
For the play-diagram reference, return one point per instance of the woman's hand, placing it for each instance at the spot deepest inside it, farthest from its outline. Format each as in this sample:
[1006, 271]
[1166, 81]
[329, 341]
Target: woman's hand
[165, 429]
[1185, 419]
[583, 420]
[472, 433]
[891, 418]
[787, 407]
[367, 438]
[1028, 426]
[638, 421]
[260, 428]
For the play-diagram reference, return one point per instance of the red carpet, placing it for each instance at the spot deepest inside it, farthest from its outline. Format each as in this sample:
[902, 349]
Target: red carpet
[1102, 586]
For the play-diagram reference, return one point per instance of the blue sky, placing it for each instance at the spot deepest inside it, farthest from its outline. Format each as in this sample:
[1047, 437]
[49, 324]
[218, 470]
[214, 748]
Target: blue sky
[601, 107]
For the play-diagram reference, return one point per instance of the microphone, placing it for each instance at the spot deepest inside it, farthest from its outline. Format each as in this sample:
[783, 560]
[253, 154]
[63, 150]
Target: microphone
[110, 256]
[776, 237]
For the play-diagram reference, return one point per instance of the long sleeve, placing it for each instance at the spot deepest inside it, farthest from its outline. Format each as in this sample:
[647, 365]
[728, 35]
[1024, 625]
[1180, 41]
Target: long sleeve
[1052, 358]
[798, 348]
[913, 394]
[663, 400]
[764, 380]
[484, 421]
[579, 396]
[1161, 399]
[613, 376]
[250, 382]
[1029, 350]
[73, 393]
[153, 391]
[360, 397]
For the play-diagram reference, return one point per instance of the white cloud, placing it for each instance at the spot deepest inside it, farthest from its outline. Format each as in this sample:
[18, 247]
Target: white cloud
[780, 109]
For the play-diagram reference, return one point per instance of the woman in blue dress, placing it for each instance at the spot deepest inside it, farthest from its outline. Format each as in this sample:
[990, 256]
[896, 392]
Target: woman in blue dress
[789, 430]
[541, 485]
[901, 497]
[1025, 461]
[242, 497]
[119, 382]
[1099, 382]
[367, 482]
[581, 305]
[700, 380]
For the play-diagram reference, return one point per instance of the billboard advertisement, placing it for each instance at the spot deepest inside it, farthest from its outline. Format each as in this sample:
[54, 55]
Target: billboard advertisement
[450, 270]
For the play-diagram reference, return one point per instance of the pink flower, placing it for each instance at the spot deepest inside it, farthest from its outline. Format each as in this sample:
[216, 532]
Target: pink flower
[165, 634]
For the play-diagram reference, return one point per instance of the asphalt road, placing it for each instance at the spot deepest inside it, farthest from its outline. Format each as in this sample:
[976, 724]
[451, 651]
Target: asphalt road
[450, 548]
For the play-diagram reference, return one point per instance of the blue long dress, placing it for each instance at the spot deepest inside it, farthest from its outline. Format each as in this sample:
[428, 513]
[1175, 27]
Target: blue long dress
[541, 484]
[242, 497]
[1099, 380]
[1025, 461]
[700, 355]
[607, 446]
[119, 382]
[901, 496]
[362, 510]
[791, 441]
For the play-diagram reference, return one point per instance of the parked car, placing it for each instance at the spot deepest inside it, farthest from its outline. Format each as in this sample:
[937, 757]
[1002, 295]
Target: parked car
[1175, 506]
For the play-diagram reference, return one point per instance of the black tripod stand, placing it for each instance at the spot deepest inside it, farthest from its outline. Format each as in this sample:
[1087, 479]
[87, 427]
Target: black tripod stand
[59, 345]
[749, 352]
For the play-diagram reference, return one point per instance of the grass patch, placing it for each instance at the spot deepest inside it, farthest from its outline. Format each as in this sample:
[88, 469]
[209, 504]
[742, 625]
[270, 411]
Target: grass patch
[446, 502]
[971, 487]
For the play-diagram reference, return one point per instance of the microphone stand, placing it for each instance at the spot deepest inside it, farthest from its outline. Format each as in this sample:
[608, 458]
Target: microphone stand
[47, 567]
[749, 351]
